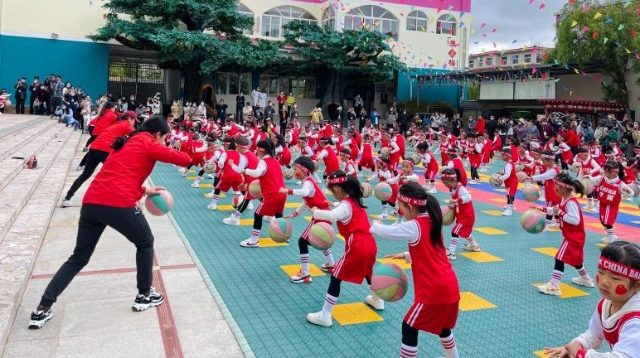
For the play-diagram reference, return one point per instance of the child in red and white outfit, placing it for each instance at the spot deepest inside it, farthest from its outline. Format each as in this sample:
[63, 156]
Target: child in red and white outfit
[328, 155]
[437, 294]
[443, 146]
[551, 196]
[476, 148]
[609, 189]
[464, 213]
[405, 176]
[312, 197]
[571, 250]
[487, 152]
[349, 166]
[360, 249]
[566, 156]
[508, 177]
[366, 160]
[248, 160]
[383, 174]
[588, 168]
[198, 152]
[430, 167]
[456, 163]
[229, 179]
[269, 173]
[617, 315]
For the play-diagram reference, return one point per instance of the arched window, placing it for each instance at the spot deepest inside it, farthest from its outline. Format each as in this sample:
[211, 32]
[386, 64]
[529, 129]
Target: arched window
[417, 21]
[329, 18]
[447, 24]
[371, 17]
[274, 19]
[244, 10]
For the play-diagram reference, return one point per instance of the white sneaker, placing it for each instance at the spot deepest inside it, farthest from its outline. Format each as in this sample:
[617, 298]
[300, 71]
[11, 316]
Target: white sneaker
[211, 176]
[195, 184]
[552, 223]
[451, 255]
[301, 278]
[586, 282]
[66, 203]
[548, 289]
[507, 212]
[473, 182]
[250, 206]
[469, 247]
[249, 243]
[608, 240]
[432, 191]
[320, 319]
[208, 195]
[375, 302]
[269, 218]
[383, 216]
[212, 206]
[231, 220]
[79, 168]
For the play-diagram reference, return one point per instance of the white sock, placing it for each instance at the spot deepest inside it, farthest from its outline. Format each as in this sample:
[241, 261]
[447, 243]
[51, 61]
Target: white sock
[449, 345]
[329, 302]
[408, 351]
[328, 256]
[453, 244]
[304, 261]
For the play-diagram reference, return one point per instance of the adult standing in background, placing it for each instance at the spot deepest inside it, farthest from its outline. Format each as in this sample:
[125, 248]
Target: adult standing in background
[392, 118]
[403, 122]
[281, 98]
[481, 126]
[239, 105]
[491, 127]
[33, 89]
[358, 103]
[291, 100]
[255, 97]
[58, 88]
[262, 98]
[21, 94]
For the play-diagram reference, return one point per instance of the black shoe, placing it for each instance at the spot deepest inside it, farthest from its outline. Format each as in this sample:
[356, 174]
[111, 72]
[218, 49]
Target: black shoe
[143, 302]
[39, 318]
[85, 149]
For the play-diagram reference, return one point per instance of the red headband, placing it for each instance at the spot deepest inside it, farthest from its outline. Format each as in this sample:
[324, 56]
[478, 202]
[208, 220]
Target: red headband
[408, 161]
[260, 149]
[564, 185]
[412, 201]
[337, 180]
[302, 168]
[449, 176]
[619, 269]
[547, 156]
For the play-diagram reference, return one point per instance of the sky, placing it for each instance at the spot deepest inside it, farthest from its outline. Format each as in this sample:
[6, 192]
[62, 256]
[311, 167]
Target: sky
[517, 23]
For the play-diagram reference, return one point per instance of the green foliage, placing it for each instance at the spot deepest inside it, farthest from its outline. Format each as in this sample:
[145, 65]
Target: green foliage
[362, 52]
[205, 34]
[601, 35]
[473, 92]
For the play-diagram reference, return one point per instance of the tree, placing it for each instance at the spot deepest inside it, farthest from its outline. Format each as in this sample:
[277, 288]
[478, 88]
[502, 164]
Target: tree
[595, 33]
[176, 30]
[359, 55]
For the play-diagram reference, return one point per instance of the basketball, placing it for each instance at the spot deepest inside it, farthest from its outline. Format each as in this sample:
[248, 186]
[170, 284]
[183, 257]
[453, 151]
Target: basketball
[160, 203]
[533, 221]
[389, 282]
[288, 174]
[384, 152]
[366, 189]
[530, 193]
[494, 180]
[321, 236]
[254, 189]
[448, 215]
[210, 168]
[519, 168]
[383, 191]
[280, 230]
[636, 189]
[522, 177]
[237, 201]
[575, 167]
[587, 185]
[417, 159]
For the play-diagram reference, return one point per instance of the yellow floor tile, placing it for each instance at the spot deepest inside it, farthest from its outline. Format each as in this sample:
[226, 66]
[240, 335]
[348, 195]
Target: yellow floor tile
[292, 205]
[601, 244]
[498, 200]
[500, 190]
[291, 270]
[222, 195]
[206, 186]
[596, 225]
[493, 212]
[340, 237]
[355, 313]
[391, 217]
[402, 263]
[225, 208]
[490, 231]
[540, 354]
[471, 302]
[246, 222]
[567, 291]
[267, 242]
[189, 177]
[550, 251]
[308, 218]
[481, 257]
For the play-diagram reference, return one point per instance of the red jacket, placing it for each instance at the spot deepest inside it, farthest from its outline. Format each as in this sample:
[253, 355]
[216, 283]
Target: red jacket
[103, 122]
[106, 139]
[119, 182]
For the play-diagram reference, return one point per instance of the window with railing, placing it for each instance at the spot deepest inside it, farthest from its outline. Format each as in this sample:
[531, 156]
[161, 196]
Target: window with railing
[301, 87]
[274, 19]
[417, 21]
[371, 17]
[244, 10]
[329, 18]
[447, 25]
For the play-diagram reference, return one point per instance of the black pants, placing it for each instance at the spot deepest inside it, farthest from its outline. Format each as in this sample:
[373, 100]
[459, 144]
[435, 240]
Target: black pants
[20, 106]
[91, 139]
[93, 158]
[32, 109]
[130, 222]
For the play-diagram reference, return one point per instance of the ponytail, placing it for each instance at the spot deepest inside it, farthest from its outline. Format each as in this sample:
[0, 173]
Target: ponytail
[577, 187]
[120, 141]
[432, 208]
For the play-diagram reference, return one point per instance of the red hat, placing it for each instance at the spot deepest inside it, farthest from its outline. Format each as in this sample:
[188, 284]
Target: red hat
[130, 114]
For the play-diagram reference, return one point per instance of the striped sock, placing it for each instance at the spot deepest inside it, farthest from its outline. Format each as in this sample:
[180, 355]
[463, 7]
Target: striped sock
[255, 235]
[408, 351]
[327, 255]
[583, 273]
[556, 278]
[472, 241]
[449, 345]
[610, 234]
[304, 260]
[384, 208]
[236, 214]
[329, 302]
[453, 245]
[214, 199]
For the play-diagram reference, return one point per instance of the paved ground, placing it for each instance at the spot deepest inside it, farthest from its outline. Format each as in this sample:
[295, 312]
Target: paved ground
[227, 301]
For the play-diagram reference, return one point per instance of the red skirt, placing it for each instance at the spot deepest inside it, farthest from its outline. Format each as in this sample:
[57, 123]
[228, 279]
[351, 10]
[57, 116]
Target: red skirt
[358, 259]
[432, 318]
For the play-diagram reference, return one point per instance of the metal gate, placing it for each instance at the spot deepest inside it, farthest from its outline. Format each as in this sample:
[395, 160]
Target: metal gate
[142, 80]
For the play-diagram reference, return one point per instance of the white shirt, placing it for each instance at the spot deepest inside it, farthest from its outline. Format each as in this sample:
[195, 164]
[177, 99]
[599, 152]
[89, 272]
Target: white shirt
[259, 171]
[408, 178]
[308, 190]
[341, 212]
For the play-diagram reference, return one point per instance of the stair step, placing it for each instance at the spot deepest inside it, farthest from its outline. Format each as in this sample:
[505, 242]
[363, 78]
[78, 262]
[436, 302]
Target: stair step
[20, 246]
[22, 137]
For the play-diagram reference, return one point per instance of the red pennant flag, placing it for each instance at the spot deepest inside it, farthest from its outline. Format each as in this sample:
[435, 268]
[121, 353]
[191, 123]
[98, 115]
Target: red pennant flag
[594, 35]
[542, 6]
[633, 33]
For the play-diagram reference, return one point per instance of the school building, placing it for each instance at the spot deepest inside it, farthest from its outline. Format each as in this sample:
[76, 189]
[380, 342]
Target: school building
[38, 38]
